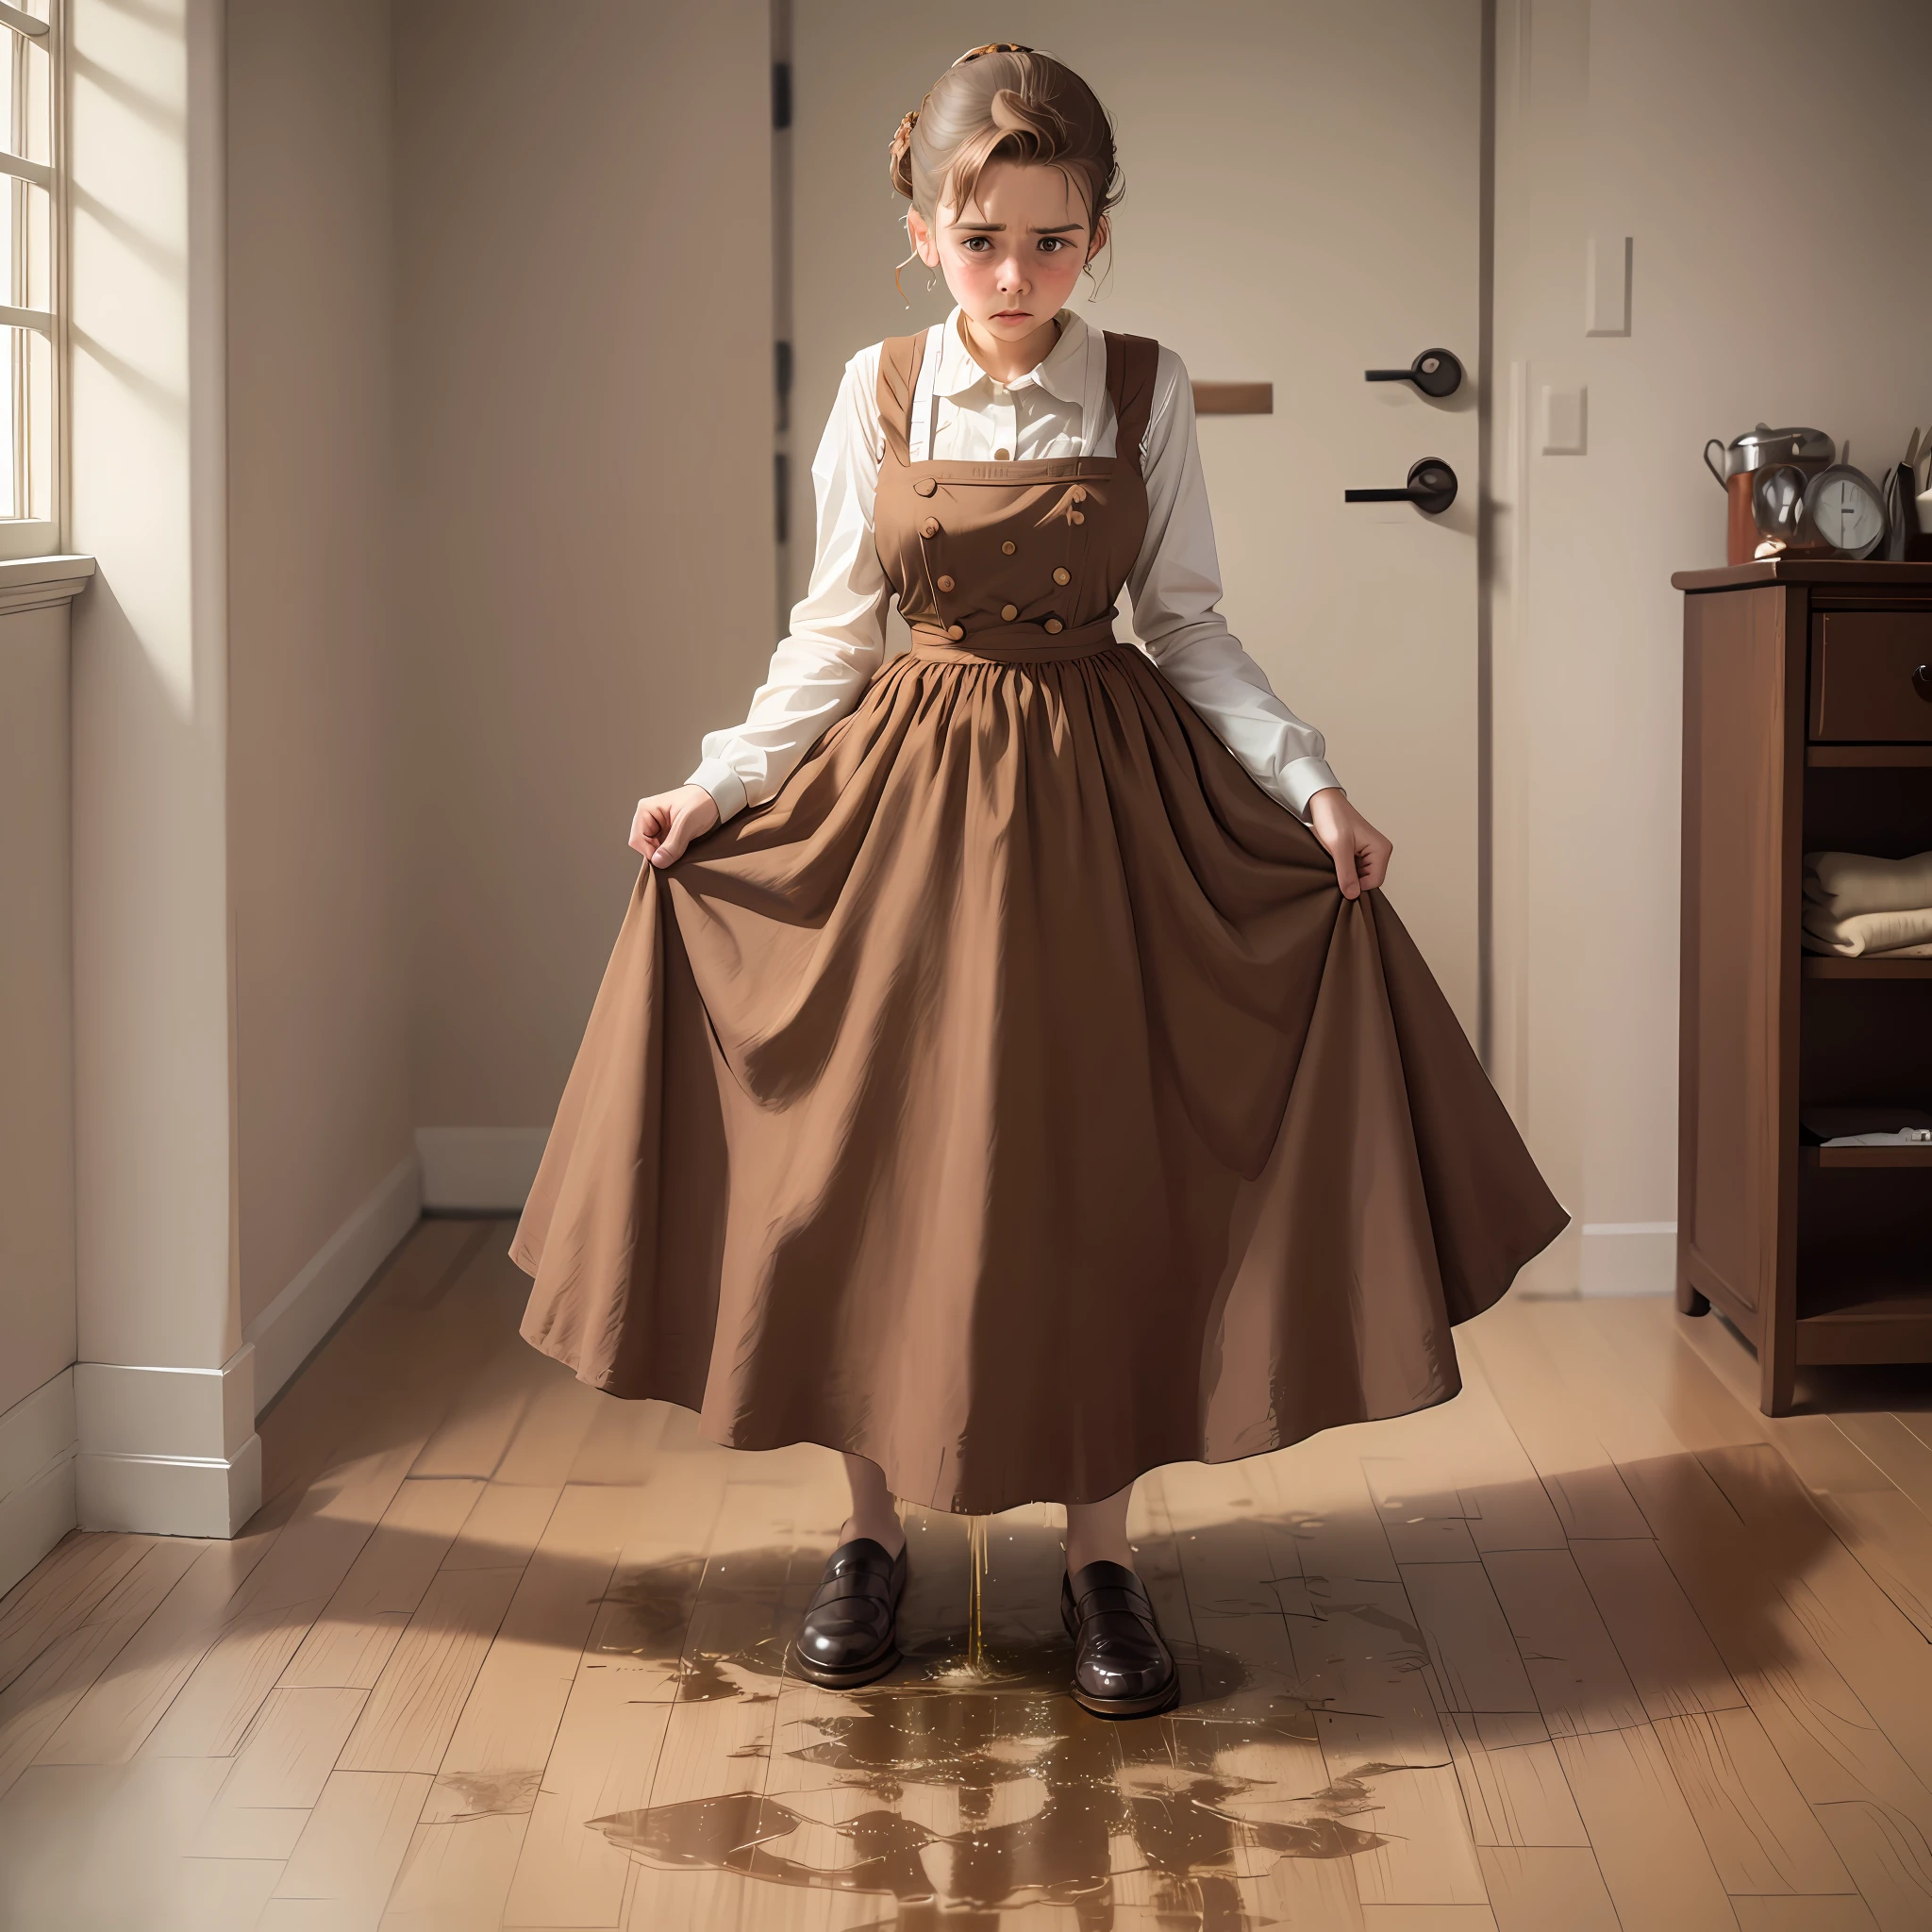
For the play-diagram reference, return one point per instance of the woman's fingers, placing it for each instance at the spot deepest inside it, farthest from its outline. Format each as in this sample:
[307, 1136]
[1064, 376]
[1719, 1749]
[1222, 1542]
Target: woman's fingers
[1346, 873]
[690, 818]
[647, 826]
[676, 837]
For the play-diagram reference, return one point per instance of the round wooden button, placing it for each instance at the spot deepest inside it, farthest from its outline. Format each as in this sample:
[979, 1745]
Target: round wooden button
[1062, 576]
[1010, 546]
[930, 527]
[955, 631]
[1080, 516]
[945, 583]
[924, 485]
[1054, 626]
[1002, 456]
[1009, 611]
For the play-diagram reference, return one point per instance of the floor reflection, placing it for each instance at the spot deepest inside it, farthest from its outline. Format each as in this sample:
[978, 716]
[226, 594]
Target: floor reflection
[959, 1797]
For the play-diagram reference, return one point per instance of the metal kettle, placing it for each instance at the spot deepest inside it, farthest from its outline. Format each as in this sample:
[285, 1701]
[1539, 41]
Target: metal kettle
[1807, 451]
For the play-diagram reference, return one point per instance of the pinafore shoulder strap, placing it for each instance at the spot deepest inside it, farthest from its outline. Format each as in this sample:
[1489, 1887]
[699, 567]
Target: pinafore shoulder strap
[1131, 361]
[899, 361]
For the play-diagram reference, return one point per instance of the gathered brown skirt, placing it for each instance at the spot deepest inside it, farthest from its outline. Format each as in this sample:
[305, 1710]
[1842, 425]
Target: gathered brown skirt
[1014, 1099]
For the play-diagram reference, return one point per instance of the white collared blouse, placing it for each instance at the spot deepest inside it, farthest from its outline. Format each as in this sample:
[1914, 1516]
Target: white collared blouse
[961, 414]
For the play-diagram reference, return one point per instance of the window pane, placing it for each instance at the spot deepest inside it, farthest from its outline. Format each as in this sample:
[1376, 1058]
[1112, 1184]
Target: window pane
[38, 461]
[12, 394]
[13, 71]
[37, 249]
[36, 95]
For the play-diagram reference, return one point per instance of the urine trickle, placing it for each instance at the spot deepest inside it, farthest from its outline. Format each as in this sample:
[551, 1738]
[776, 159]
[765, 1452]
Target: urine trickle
[975, 1597]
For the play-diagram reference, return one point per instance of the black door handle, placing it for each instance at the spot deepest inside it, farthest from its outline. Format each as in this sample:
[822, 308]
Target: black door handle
[1434, 372]
[1431, 487]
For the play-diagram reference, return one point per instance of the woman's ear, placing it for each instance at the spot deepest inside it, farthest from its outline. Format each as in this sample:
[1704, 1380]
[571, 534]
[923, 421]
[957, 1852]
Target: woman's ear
[921, 237]
[1101, 232]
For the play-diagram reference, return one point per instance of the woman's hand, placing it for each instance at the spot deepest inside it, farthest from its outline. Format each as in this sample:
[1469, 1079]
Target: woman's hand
[1360, 853]
[665, 824]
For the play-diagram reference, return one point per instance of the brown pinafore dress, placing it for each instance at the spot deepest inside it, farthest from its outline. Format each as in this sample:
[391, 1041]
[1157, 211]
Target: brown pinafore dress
[1013, 1098]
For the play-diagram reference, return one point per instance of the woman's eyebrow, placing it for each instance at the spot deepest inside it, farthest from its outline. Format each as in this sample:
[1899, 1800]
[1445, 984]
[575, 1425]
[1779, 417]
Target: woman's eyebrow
[1000, 228]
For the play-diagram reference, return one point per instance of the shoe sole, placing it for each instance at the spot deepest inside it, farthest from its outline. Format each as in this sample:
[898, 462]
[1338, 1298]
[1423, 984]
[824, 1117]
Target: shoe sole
[1129, 1706]
[846, 1679]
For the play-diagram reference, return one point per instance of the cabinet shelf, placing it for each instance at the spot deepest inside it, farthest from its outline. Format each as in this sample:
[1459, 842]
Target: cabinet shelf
[1893, 755]
[1908, 1155]
[1827, 966]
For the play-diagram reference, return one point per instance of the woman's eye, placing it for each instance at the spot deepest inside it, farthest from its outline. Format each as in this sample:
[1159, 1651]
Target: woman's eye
[976, 244]
[1053, 244]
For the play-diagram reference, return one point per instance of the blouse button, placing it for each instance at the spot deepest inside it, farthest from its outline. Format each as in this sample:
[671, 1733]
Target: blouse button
[1054, 626]
[955, 631]
[1080, 516]
[1063, 576]
[930, 527]
[1010, 546]
[1009, 611]
[1002, 456]
[924, 486]
[945, 583]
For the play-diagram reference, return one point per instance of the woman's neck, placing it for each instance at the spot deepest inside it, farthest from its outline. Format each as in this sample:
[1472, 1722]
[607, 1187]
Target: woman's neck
[1009, 361]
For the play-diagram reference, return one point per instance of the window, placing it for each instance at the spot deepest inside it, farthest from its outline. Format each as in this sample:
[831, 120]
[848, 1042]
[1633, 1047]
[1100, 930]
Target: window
[30, 230]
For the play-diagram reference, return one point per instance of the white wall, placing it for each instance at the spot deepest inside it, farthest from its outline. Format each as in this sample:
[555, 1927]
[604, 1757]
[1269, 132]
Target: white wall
[36, 1020]
[316, 843]
[36, 1305]
[1755, 151]
[162, 1375]
[585, 405]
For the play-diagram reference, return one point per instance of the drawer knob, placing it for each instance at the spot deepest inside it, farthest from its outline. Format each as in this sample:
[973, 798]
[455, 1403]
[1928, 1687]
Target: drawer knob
[1921, 682]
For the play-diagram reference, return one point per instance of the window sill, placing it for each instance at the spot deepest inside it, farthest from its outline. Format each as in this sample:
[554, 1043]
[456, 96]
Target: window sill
[31, 583]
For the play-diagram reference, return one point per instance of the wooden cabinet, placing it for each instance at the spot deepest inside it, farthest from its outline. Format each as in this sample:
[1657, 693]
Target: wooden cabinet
[1807, 725]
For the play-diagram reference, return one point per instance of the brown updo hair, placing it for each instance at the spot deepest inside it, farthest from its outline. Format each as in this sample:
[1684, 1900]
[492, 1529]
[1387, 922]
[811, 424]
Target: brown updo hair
[1005, 103]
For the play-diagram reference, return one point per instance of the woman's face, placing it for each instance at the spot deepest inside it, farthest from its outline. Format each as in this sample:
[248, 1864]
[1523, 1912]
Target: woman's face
[1012, 255]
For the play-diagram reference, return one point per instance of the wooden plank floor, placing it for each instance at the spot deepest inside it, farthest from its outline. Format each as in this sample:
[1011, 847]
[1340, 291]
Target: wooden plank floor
[1594, 1646]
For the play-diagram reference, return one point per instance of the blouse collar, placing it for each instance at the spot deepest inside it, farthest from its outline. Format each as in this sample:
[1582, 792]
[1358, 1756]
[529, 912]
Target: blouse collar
[1062, 372]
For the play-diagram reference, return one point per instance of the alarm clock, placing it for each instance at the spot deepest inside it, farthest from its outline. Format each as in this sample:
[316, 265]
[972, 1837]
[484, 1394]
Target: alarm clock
[1845, 512]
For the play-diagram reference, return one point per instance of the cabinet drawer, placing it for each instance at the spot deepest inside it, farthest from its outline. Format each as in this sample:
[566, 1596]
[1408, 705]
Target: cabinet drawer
[1872, 676]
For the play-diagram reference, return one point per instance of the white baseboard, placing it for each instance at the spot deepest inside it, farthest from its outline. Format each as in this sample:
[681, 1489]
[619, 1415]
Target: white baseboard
[289, 1328]
[38, 1438]
[1622, 1257]
[170, 1495]
[479, 1169]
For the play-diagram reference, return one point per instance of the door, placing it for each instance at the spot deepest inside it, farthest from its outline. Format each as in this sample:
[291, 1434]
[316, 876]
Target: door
[1302, 204]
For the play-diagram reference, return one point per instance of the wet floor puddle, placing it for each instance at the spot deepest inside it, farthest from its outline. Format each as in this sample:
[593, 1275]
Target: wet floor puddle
[969, 1784]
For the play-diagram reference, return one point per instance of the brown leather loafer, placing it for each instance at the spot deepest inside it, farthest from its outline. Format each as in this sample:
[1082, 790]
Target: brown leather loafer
[1120, 1666]
[850, 1633]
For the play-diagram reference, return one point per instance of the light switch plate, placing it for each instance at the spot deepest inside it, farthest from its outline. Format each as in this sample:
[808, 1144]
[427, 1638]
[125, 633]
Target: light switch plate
[1561, 412]
[1607, 286]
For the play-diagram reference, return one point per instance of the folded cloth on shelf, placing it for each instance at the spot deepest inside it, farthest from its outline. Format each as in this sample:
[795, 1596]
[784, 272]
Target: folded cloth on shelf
[1848, 883]
[1900, 935]
[1873, 1123]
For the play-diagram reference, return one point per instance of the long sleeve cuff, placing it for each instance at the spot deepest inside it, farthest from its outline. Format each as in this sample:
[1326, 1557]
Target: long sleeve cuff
[1303, 778]
[727, 788]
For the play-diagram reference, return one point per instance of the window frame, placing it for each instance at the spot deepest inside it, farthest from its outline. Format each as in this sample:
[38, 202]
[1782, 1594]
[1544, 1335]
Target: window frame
[41, 536]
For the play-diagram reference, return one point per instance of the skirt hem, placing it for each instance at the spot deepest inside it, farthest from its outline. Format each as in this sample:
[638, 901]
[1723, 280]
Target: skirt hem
[1278, 1439]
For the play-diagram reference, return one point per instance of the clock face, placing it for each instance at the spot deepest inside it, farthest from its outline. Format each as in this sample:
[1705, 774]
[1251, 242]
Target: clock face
[1846, 512]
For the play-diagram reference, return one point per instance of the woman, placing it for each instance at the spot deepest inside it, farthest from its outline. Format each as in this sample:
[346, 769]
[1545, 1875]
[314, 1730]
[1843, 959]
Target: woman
[1008, 1073]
